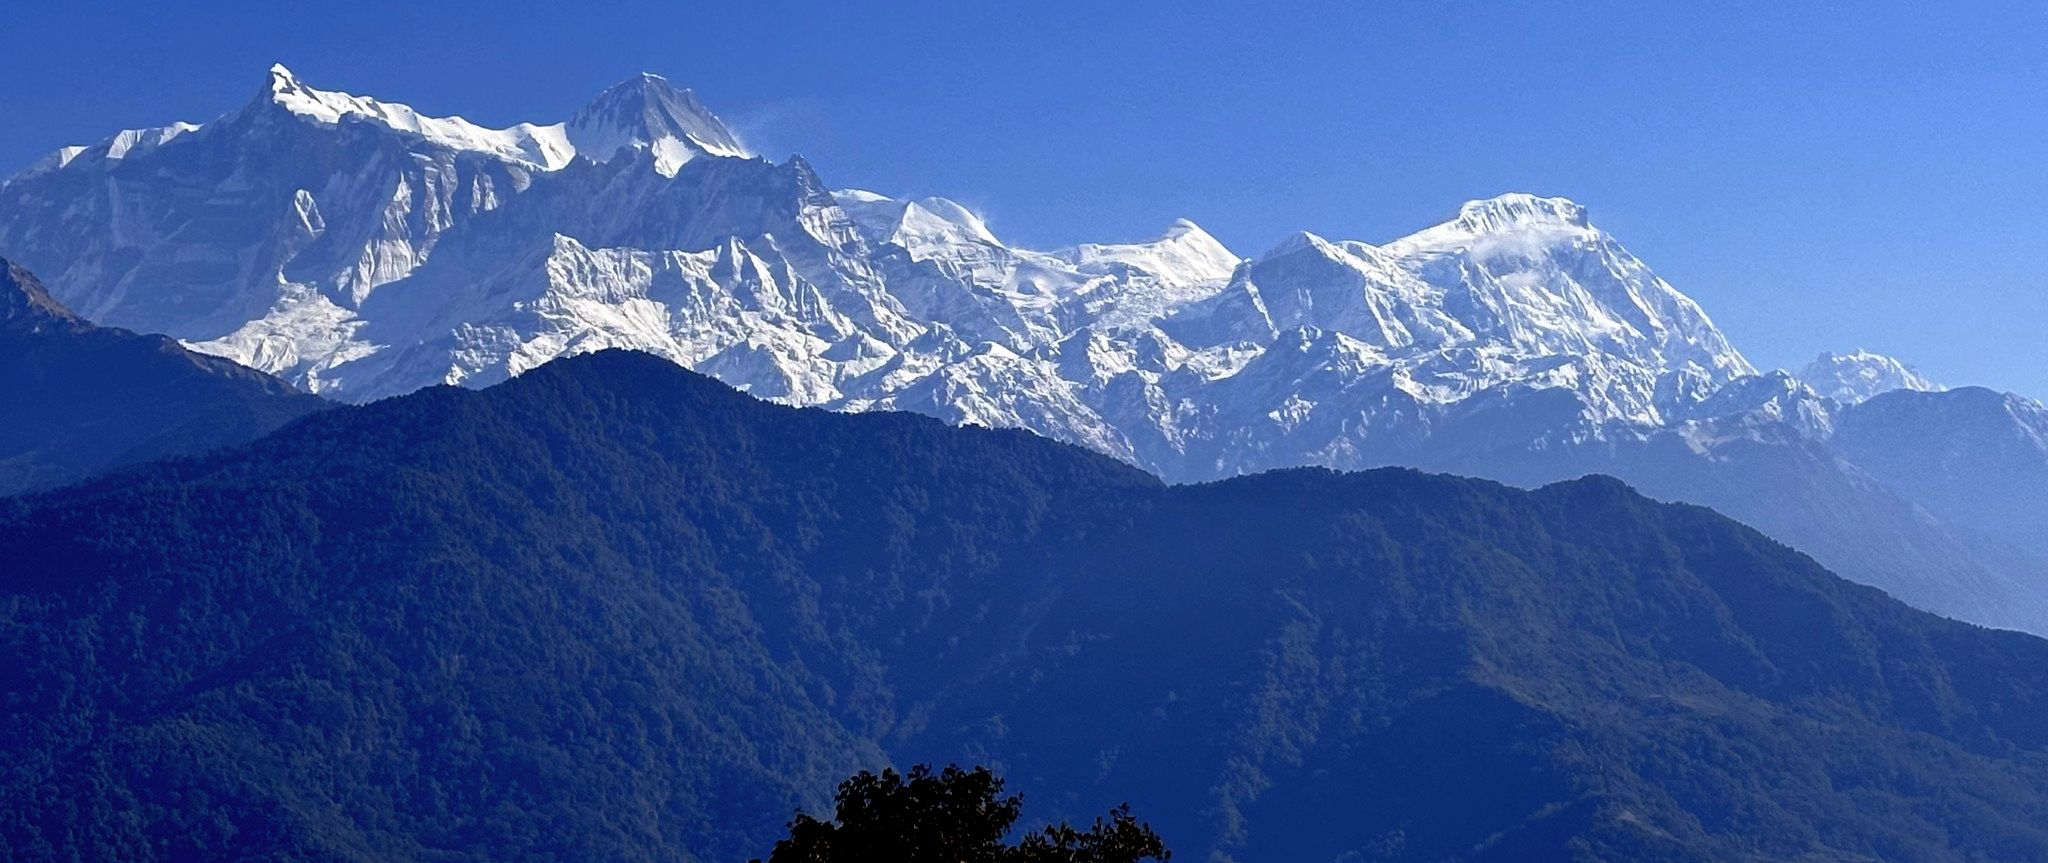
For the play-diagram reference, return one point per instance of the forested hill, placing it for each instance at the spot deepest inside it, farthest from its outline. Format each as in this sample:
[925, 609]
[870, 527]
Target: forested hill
[77, 399]
[613, 610]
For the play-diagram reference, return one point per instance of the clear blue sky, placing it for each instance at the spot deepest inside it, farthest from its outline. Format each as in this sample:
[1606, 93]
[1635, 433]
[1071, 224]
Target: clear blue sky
[1828, 176]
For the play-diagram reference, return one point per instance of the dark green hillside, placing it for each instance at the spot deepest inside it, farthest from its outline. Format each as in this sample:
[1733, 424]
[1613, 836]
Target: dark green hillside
[613, 610]
[77, 399]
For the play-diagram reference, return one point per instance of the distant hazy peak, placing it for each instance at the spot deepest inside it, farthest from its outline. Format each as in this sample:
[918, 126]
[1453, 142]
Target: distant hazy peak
[1860, 375]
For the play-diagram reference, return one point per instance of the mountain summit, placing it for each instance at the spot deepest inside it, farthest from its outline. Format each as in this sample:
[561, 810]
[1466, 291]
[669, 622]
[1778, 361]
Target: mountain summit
[1517, 210]
[645, 111]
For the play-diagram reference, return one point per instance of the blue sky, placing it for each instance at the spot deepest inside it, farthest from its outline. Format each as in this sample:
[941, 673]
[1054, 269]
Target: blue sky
[1818, 175]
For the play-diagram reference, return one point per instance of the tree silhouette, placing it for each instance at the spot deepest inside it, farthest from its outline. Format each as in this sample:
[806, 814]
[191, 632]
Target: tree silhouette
[953, 816]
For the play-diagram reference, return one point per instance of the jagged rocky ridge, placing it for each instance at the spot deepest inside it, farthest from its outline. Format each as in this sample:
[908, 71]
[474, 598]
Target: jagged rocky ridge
[363, 250]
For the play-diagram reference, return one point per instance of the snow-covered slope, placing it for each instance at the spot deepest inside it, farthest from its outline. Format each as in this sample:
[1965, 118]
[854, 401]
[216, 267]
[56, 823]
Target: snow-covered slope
[361, 249]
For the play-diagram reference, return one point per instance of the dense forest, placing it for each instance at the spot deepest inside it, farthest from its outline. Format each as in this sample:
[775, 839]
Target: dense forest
[614, 610]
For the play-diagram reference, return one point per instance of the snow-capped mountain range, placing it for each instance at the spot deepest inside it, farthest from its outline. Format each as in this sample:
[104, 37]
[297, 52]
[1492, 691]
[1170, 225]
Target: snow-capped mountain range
[361, 249]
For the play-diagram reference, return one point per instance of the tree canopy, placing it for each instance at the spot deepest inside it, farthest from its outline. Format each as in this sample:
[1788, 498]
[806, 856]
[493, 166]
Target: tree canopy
[953, 816]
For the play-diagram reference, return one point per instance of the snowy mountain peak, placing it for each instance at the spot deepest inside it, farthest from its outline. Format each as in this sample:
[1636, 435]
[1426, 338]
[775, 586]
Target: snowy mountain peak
[1185, 255]
[943, 215]
[1860, 375]
[646, 111]
[543, 147]
[286, 91]
[1186, 233]
[282, 79]
[1517, 211]
[1298, 241]
[925, 226]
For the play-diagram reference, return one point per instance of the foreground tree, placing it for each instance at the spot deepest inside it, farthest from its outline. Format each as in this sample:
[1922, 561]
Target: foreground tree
[953, 816]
